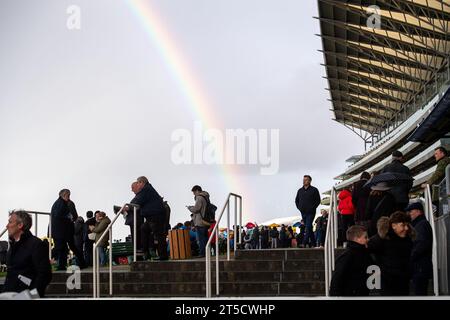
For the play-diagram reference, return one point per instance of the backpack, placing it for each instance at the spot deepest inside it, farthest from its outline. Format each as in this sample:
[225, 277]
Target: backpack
[210, 211]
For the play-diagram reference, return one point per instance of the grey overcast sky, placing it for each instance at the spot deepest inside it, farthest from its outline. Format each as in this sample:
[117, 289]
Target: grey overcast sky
[93, 109]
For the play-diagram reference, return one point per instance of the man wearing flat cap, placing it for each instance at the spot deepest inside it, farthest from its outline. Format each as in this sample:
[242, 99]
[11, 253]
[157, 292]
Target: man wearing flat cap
[421, 261]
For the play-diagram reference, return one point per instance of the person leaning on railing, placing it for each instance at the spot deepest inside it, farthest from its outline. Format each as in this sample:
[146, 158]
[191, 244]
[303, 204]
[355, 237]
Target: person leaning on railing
[442, 159]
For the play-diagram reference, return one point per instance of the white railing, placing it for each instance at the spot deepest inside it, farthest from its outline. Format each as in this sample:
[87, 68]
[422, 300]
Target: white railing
[96, 264]
[36, 214]
[215, 233]
[429, 215]
[331, 241]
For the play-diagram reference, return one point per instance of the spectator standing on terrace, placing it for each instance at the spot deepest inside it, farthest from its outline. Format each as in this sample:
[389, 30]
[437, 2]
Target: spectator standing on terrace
[346, 209]
[442, 160]
[350, 275]
[422, 265]
[199, 210]
[88, 243]
[274, 236]
[151, 207]
[28, 266]
[392, 246]
[79, 234]
[290, 236]
[63, 215]
[307, 201]
[381, 203]
[255, 237]
[283, 236]
[401, 191]
[360, 196]
[321, 228]
[129, 220]
[265, 237]
[102, 223]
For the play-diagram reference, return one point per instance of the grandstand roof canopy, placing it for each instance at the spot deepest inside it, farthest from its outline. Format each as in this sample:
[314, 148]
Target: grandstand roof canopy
[436, 125]
[380, 55]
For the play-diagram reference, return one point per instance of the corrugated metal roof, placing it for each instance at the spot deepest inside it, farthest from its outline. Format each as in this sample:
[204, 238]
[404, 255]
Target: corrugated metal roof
[375, 71]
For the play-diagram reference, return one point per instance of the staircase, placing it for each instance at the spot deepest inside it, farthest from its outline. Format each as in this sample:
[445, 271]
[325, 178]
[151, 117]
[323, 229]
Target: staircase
[251, 273]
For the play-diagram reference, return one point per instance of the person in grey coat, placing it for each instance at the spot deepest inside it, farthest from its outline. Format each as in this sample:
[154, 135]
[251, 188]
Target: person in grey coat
[198, 213]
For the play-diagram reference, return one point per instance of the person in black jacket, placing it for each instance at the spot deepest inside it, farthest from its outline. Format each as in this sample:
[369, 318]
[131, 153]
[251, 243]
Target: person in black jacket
[28, 266]
[274, 236]
[350, 275]
[381, 203]
[151, 207]
[401, 191]
[88, 243]
[129, 220]
[422, 265]
[392, 247]
[265, 238]
[307, 201]
[63, 215]
[360, 196]
[79, 234]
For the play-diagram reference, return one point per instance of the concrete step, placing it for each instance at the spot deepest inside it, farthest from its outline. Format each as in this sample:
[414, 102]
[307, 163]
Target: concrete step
[196, 289]
[280, 254]
[194, 276]
[232, 265]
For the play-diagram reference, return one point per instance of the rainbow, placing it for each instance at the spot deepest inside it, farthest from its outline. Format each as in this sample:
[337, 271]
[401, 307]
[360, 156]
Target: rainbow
[183, 74]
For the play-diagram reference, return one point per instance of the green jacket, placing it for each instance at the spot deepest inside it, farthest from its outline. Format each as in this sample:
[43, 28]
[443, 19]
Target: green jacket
[100, 227]
[439, 174]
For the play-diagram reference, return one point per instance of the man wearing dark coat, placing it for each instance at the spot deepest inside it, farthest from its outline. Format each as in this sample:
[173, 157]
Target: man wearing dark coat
[360, 196]
[63, 216]
[350, 275]
[401, 191]
[307, 201]
[88, 243]
[129, 220]
[422, 265]
[151, 207]
[28, 266]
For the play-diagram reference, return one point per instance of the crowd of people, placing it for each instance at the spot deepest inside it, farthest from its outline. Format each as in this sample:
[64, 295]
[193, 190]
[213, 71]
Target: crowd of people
[286, 236]
[381, 227]
[378, 224]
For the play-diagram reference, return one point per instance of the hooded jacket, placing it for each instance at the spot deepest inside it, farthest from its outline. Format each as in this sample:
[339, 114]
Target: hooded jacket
[345, 206]
[199, 208]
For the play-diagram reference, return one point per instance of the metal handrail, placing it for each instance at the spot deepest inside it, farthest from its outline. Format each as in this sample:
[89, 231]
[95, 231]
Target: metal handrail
[36, 213]
[430, 218]
[215, 233]
[96, 264]
[330, 241]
